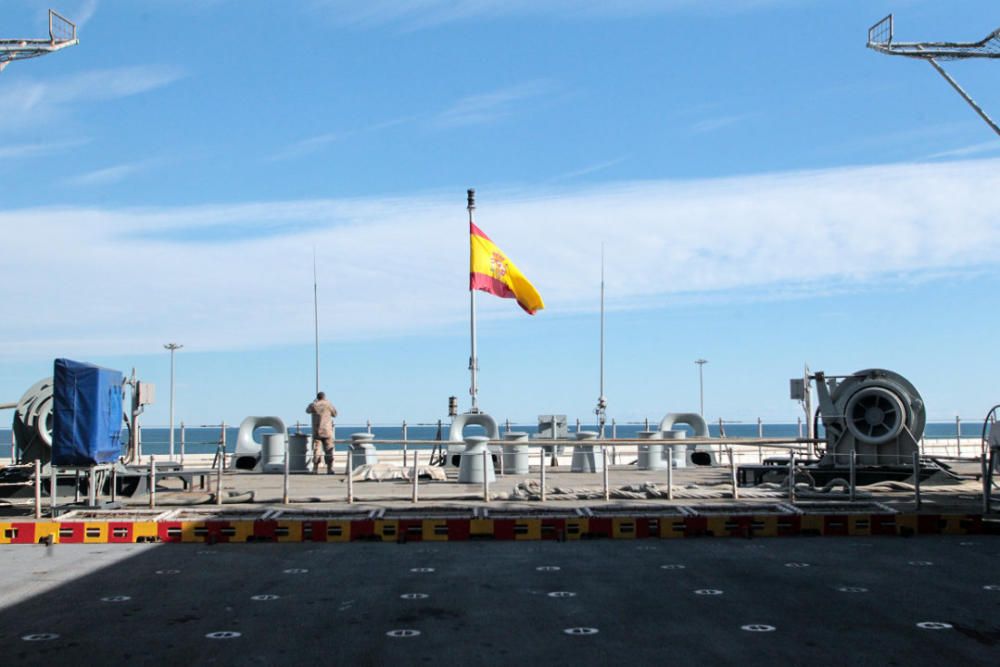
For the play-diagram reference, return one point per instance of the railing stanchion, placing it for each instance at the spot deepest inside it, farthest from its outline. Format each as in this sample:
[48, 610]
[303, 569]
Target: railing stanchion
[182, 444]
[791, 476]
[732, 475]
[486, 477]
[38, 489]
[405, 438]
[218, 474]
[54, 488]
[670, 472]
[284, 486]
[152, 482]
[604, 460]
[853, 481]
[541, 457]
[416, 483]
[916, 479]
[350, 481]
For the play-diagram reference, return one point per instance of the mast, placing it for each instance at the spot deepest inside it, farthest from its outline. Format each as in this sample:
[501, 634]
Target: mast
[602, 402]
[316, 316]
[473, 359]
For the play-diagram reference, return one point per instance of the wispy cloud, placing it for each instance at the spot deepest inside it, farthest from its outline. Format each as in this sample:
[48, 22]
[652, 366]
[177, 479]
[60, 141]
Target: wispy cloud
[320, 142]
[712, 124]
[590, 169]
[31, 102]
[83, 13]
[106, 175]
[966, 151]
[723, 239]
[491, 106]
[27, 151]
[415, 14]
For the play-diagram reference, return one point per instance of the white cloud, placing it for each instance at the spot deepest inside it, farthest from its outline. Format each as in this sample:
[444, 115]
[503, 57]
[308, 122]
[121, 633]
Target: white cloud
[27, 151]
[489, 107]
[105, 176]
[966, 151]
[29, 101]
[414, 14]
[109, 281]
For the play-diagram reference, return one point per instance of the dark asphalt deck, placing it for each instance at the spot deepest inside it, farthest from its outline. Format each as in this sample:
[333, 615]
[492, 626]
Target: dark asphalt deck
[829, 601]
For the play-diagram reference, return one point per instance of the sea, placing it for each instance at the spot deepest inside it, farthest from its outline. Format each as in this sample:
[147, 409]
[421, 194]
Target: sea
[207, 439]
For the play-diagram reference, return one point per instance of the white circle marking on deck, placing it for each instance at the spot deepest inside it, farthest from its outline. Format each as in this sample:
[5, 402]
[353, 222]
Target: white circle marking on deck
[797, 565]
[992, 587]
[263, 598]
[708, 591]
[421, 569]
[758, 627]
[223, 634]
[40, 637]
[562, 594]
[548, 568]
[967, 544]
[581, 632]
[414, 596]
[116, 598]
[921, 563]
[673, 566]
[296, 570]
[934, 625]
[397, 634]
[168, 571]
[852, 589]
[645, 547]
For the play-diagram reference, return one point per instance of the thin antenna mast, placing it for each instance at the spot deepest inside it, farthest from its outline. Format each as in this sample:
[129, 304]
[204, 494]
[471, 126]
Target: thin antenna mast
[316, 316]
[473, 359]
[602, 402]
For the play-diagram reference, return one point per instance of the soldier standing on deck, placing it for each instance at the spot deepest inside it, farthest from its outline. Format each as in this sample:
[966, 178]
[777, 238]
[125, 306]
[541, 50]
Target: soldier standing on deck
[322, 412]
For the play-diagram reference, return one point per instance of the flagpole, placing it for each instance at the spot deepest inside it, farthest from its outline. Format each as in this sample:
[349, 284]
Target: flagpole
[316, 316]
[473, 359]
[601, 401]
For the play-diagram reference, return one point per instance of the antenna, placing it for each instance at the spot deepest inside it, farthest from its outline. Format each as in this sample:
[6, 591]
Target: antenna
[602, 402]
[62, 33]
[880, 38]
[316, 316]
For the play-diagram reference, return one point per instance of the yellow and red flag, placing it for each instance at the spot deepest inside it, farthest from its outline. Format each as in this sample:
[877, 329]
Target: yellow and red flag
[491, 271]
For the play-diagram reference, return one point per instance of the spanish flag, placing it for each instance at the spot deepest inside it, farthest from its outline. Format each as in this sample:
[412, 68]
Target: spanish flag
[491, 271]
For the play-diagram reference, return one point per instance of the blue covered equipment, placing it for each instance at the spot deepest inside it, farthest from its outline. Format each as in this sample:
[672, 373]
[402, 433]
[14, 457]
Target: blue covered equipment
[86, 414]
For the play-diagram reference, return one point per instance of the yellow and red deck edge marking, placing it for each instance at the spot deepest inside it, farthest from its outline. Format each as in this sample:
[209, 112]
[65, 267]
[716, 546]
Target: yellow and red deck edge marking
[500, 529]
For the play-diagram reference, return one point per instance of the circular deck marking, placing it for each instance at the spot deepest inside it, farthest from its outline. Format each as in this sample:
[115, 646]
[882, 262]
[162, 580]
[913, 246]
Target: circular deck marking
[40, 637]
[548, 568]
[421, 569]
[296, 570]
[401, 634]
[921, 563]
[673, 566]
[580, 632]
[562, 594]
[758, 627]
[263, 598]
[646, 548]
[207, 552]
[223, 634]
[967, 544]
[991, 587]
[852, 589]
[708, 591]
[797, 565]
[116, 598]
[934, 625]
[168, 571]
[414, 596]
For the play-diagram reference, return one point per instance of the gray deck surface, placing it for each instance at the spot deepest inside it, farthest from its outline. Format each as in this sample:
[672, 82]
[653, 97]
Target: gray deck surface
[488, 603]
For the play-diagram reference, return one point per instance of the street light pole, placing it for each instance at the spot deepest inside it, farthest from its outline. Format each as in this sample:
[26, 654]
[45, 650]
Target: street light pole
[701, 385]
[173, 347]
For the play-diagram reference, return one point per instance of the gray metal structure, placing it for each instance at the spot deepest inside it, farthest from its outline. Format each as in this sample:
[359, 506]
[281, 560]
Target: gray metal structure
[62, 33]
[875, 414]
[881, 39]
[32, 423]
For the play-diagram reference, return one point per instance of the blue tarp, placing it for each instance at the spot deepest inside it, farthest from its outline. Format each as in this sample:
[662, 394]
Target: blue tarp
[86, 414]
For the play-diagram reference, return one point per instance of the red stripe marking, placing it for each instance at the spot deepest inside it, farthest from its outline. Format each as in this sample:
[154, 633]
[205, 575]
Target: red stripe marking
[476, 231]
[77, 535]
[118, 525]
[362, 529]
[459, 529]
[25, 533]
[830, 529]
[553, 529]
[503, 529]
[162, 528]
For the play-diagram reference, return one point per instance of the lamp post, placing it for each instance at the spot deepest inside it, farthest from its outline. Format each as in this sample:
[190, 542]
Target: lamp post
[701, 385]
[173, 347]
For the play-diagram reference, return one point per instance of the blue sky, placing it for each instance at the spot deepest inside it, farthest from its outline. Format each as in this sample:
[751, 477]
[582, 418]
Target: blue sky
[770, 193]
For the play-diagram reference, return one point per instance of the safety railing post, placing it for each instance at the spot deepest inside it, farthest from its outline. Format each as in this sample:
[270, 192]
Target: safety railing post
[853, 481]
[218, 474]
[732, 475]
[182, 444]
[486, 477]
[152, 481]
[614, 430]
[416, 483]
[791, 476]
[114, 482]
[284, 485]
[54, 488]
[916, 479]
[604, 458]
[670, 472]
[38, 489]
[222, 453]
[350, 481]
[541, 457]
[958, 436]
[405, 438]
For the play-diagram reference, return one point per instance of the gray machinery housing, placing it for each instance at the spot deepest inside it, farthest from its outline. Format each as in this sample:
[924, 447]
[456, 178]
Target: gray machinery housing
[875, 412]
[32, 424]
